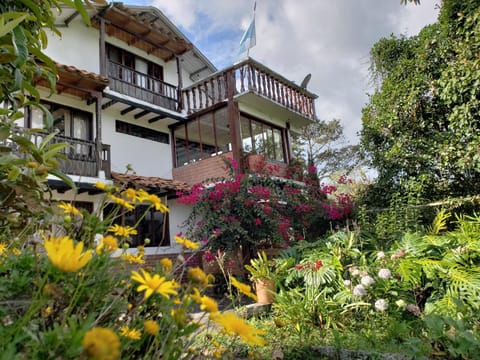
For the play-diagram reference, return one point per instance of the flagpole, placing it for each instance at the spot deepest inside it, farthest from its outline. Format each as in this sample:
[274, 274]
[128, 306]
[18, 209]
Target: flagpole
[254, 8]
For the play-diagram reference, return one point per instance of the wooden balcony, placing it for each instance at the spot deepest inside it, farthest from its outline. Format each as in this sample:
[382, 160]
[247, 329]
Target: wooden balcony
[249, 76]
[82, 157]
[127, 81]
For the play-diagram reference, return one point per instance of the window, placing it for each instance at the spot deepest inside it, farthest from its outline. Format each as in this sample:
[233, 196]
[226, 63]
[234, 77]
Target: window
[203, 137]
[154, 226]
[140, 131]
[262, 138]
[134, 69]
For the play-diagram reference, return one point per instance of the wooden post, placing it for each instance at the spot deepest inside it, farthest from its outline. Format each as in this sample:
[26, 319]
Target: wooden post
[234, 121]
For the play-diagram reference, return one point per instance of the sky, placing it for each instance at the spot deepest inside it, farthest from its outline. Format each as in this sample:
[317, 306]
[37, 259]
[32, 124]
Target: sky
[329, 39]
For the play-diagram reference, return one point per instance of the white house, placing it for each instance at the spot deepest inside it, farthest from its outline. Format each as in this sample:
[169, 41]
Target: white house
[133, 90]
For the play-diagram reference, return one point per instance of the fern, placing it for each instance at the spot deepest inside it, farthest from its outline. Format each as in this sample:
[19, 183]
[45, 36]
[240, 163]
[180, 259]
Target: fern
[439, 223]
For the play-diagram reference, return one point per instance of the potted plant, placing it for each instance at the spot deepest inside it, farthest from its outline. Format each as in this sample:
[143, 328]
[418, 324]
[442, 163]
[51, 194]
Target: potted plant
[262, 274]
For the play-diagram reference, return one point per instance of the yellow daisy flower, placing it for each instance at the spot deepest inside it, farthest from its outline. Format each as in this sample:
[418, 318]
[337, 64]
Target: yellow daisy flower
[101, 344]
[208, 304]
[166, 265]
[16, 251]
[151, 327]
[130, 194]
[198, 276]
[3, 248]
[101, 186]
[243, 288]
[153, 284]
[108, 243]
[134, 259]
[65, 255]
[70, 209]
[196, 296]
[234, 325]
[121, 202]
[124, 231]
[132, 334]
[157, 203]
[186, 243]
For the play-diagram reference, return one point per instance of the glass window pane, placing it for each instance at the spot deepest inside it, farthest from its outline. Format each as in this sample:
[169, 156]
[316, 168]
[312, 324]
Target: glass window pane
[222, 128]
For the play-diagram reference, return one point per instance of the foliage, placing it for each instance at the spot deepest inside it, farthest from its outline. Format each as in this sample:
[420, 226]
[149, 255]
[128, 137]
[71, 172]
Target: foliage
[422, 290]
[420, 123]
[58, 290]
[23, 29]
[323, 145]
[260, 267]
[258, 210]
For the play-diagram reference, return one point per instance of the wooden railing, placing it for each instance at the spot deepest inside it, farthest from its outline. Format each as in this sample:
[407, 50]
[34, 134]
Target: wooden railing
[82, 157]
[243, 77]
[142, 86]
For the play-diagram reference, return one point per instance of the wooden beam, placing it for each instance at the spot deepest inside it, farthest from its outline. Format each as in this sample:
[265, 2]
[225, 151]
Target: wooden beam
[156, 118]
[127, 110]
[71, 17]
[141, 114]
[108, 104]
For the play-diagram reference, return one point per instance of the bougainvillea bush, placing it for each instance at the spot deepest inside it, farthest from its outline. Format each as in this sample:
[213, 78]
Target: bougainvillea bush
[259, 210]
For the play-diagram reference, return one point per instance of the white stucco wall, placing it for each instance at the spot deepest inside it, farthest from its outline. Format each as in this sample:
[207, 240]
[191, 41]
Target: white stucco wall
[147, 157]
[78, 46]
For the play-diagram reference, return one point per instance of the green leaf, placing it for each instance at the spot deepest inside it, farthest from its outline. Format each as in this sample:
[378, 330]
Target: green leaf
[5, 28]
[65, 178]
[4, 132]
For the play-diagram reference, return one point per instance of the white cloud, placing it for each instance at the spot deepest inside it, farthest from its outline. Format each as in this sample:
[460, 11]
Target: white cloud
[329, 39]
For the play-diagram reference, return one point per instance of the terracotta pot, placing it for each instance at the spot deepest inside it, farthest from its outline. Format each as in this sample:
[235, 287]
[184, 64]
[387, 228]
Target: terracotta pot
[265, 290]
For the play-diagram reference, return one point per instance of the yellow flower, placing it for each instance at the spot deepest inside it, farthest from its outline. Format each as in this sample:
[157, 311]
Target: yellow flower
[65, 255]
[243, 288]
[157, 203]
[166, 265]
[121, 202]
[234, 325]
[196, 296]
[3, 248]
[101, 186]
[142, 195]
[133, 334]
[46, 311]
[186, 243]
[101, 344]
[130, 194]
[151, 327]
[134, 259]
[70, 209]
[107, 243]
[16, 251]
[197, 276]
[124, 231]
[153, 284]
[208, 304]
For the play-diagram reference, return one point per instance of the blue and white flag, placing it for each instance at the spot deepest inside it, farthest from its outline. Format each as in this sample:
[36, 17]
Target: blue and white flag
[249, 38]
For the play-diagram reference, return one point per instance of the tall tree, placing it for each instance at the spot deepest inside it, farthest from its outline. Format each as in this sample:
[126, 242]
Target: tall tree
[421, 124]
[323, 145]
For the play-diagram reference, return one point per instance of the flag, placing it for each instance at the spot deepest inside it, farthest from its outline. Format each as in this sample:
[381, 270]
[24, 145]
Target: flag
[249, 38]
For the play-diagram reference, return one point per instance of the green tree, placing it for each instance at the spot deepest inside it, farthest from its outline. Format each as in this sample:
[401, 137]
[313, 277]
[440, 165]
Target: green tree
[323, 145]
[421, 123]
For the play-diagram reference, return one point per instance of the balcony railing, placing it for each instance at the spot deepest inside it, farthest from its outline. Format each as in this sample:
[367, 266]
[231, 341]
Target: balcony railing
[248, 76]
[82, 157]
[142, 86]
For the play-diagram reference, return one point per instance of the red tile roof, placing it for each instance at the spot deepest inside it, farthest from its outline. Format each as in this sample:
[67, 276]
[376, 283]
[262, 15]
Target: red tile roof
[151, 182]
